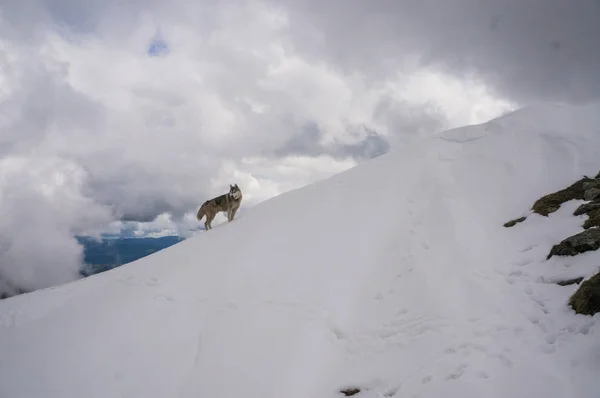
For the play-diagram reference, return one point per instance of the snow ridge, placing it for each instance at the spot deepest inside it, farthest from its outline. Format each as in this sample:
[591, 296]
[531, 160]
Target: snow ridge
[396, 277]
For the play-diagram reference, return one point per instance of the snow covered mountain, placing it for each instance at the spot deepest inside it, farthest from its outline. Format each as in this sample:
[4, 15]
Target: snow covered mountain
[430, 297]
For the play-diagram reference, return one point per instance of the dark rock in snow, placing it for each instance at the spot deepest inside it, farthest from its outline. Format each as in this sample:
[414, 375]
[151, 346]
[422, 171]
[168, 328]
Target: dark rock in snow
[593, 220]
[551, 202]
[586, 208]
[582, 242]
[591, 194]
[591, 184]
[586, 300]
[514, 222]
[591, 190]
[570, 281]
[350, 391]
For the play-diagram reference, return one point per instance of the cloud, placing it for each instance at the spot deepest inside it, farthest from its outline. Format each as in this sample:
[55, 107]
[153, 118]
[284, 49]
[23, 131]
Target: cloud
[308, 141]
[41, 208]
[145, 110]
[526, 50]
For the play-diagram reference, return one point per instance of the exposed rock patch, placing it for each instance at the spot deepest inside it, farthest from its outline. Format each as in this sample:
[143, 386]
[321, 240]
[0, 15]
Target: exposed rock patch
[593, 221]
[582, 242]
[350, 391]
[586, 300]
[514, 222]
[587, 208]
[551, 202]
[591, 190]
[592, 193]
[570, 281]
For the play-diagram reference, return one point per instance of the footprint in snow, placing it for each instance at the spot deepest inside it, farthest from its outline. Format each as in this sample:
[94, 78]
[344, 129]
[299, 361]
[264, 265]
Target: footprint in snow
[164, 297]
[528, 248]
[152, 282]
[523, 263]
[518, 273]
[482, 375]
[458, 372]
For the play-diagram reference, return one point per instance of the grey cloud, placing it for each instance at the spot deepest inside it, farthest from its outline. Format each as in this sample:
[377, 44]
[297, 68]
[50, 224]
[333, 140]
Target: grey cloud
[308, 142]
[404, 121]
[407, 121]
[38, 223]
[526, 50]
[372, 146]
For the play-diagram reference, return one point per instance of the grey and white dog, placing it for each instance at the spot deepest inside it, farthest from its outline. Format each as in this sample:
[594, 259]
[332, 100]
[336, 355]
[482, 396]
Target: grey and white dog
[229, 203]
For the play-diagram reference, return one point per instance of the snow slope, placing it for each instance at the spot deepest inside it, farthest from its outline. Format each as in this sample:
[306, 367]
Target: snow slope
[429, 297]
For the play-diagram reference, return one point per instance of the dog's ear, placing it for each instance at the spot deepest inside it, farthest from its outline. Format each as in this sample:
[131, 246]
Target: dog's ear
[230, 186]
[237, 186]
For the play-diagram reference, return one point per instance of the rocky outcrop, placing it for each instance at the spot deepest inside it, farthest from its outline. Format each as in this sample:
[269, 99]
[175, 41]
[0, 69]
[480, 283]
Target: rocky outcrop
[551, 202]
[586, 300]
[582, 242]
[591, 190]
[593, 220]
[586, 208]
[585, 189]
[592, 210]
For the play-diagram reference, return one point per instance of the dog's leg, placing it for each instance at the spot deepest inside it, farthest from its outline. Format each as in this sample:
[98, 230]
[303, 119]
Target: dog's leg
[233, 211]
[209, 218]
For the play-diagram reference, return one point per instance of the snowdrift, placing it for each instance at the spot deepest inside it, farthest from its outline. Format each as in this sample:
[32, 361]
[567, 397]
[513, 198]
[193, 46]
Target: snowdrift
[396, 278]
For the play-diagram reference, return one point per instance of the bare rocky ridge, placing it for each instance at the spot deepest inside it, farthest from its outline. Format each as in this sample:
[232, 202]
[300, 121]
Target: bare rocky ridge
[582, 242]
[593, 220]
[551, 202]
[586, 300]
[591, 190]
[586, 208]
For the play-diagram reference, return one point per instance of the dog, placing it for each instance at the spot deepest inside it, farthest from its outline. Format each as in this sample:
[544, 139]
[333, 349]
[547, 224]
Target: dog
[228, 203]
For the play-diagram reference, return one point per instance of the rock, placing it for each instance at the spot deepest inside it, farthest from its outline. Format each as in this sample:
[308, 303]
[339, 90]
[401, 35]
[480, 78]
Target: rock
[350, 391]
[591, 189]
[551, 202]
[591, 194]
[593, 220]
[588, 240]
[586, 300]
[570, 281]
[590, 184]
[514, 222]
[586, 208]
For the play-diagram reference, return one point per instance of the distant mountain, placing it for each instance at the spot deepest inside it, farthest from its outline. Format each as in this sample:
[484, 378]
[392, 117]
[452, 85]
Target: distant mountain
[107, 253]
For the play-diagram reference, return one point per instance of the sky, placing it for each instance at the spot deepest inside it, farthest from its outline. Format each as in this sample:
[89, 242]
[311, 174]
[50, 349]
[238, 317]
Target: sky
[119, 113]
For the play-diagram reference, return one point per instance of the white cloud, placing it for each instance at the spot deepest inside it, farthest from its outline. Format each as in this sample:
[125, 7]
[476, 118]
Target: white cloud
[41, 207]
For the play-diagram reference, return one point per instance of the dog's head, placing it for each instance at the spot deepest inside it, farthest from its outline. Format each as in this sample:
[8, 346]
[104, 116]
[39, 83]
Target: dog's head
[235, 192]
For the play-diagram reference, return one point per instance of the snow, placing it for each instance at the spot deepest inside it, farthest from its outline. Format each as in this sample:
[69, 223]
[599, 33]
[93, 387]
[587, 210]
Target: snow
[396, 277]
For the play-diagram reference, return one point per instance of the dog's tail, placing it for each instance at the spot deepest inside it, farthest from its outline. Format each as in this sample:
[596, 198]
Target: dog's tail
[201, 212]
